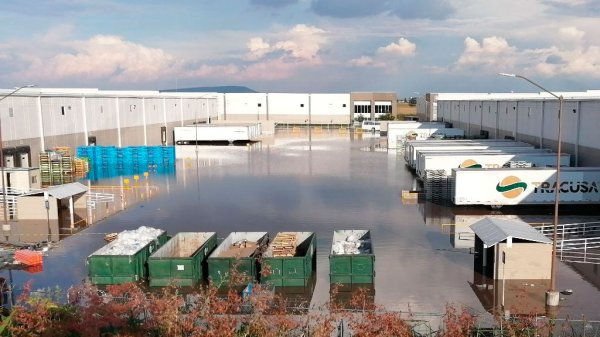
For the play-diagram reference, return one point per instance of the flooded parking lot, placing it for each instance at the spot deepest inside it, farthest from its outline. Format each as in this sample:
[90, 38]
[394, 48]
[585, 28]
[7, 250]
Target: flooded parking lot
[327, 181]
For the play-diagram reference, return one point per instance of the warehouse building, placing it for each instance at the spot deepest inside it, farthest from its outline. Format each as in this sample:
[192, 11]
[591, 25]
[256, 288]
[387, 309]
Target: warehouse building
[528, 117]
[35, 119]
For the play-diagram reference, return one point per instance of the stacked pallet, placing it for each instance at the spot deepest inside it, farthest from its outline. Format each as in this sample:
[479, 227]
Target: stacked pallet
[284, 245]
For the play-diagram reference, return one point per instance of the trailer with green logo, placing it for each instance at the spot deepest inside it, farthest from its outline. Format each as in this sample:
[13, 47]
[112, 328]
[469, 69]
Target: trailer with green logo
[235, 260]
[126, 258]
[525, 186]
[352, 260]
[289, 259]
[182, 260]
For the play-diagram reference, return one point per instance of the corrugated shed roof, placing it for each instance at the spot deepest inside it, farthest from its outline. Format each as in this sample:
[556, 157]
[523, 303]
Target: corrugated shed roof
[62, 191]
[494, 230]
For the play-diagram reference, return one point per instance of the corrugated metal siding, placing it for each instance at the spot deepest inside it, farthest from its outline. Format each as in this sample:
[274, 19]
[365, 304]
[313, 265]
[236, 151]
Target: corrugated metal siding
[589, 124]
[23, 122]
[101, 113]
[61, 115]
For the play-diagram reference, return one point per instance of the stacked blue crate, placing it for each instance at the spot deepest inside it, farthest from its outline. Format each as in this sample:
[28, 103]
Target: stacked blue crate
[110, 161]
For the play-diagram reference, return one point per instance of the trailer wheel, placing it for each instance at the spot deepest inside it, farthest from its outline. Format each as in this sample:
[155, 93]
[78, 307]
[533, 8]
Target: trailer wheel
[496, 206]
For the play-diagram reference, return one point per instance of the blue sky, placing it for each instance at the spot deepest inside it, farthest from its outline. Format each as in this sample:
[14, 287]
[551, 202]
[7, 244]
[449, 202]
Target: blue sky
[403, 46]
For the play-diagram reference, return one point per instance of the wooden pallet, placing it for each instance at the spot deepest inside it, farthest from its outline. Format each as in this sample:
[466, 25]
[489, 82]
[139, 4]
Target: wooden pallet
[284, 245]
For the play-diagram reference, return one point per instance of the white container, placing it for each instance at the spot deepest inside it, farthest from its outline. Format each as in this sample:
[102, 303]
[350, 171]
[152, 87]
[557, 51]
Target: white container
[216, 132]
[409, 144]
[397, 136]
[530, 186]
[491, 151]
[465, 147]
[447, 161]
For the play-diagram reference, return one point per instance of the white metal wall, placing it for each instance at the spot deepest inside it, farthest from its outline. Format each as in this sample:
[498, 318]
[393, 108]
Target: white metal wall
[330, 104]
[62, 115]
[131, 112]
[19, 118]
[288, 104]
[101, 113]
[247, 104]
[154, 111]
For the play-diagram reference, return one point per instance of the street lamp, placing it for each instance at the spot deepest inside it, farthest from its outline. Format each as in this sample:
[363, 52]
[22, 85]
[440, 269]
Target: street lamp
[552, 296]
[4, 194]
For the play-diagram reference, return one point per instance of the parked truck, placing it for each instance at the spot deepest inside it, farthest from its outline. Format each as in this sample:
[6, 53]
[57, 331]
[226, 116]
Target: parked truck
[529, 186]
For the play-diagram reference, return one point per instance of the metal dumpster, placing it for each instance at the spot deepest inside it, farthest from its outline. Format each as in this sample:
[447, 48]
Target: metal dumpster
[182, 260]
[238, 252]
[352, 260]
[288, 261]
[125, 259]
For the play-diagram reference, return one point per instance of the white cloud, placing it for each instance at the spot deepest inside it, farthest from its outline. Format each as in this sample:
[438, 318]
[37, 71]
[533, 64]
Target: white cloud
[365, 61]
[402, 48]
[301, 43]
[258, 48]
[571, 34]
[492, 53]
[495, 54]
[104, 57]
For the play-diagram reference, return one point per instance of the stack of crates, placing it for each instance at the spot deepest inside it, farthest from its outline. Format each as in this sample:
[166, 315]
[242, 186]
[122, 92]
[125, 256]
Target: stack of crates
[436, 185]
[45, 168]
[110, 161]
[66, 162]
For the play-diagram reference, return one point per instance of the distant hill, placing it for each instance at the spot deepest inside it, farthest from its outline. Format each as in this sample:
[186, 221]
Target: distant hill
[227, 89]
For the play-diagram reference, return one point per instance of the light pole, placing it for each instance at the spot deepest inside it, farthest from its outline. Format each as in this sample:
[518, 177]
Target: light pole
[4, 194]
[552, 296]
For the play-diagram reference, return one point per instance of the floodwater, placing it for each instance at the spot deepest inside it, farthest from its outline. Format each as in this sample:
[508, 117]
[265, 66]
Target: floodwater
[326, 181]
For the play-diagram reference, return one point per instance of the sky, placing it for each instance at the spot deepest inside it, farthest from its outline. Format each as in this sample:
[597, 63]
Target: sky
[332, 46]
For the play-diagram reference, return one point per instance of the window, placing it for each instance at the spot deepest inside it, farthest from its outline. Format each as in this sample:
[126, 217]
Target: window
[62, 110]
[302, 105]
[10, 112]
[34, 180]
[260, 104]
[344, 105]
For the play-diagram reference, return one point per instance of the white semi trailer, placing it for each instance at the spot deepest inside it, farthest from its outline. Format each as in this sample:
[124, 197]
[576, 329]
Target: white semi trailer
[465, 147]
[470, 151]
[528, 186]
[446, 161]
[216, 132]
[409, 144]
[397, 137]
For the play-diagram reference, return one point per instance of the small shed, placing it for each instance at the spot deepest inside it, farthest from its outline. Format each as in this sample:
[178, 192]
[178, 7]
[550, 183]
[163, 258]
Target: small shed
[511, 250]
[48, 204]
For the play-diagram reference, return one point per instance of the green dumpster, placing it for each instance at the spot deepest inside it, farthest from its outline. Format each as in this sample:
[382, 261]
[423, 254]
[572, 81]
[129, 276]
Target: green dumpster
[237, 256]
[182, 260]
[352, 260]
[293, 267]
[125, 259]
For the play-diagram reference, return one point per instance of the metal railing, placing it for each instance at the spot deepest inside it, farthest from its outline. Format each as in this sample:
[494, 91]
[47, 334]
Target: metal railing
[11, 205]
[95, 197]
[575, 241]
